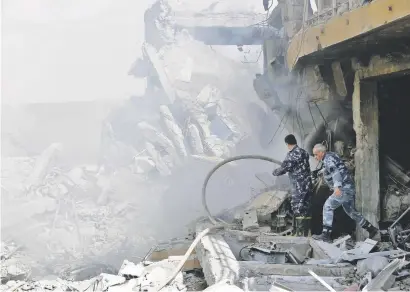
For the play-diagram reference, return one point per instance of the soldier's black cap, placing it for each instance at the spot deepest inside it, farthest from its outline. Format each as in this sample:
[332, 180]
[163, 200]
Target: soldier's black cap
[290, 139]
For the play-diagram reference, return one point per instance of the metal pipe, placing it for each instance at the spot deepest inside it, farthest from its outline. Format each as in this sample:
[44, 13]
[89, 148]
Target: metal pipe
[401, 216]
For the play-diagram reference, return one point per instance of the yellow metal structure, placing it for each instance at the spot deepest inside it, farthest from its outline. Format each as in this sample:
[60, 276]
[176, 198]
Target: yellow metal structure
[358, 22]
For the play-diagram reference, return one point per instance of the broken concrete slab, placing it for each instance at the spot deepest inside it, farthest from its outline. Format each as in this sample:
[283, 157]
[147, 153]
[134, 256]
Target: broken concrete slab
[157, 273]
[390, 254]
[191, 263]
[223, 286]
[318, 252]
[130, 270]
[250, 221]
[255, 269]
[384, 280]
[373, 264]
[300, 252]
[300, 283]
[330, 250]
[216, 258]
[268, 202]
[366, 246]
[108, 280]
[321, 281]
[341, 240]
[283, 239]
[152, 53]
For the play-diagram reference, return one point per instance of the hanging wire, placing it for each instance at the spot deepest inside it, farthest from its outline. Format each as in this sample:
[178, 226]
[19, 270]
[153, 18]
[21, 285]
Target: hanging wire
[277, 129]
[311, 115]
[324, 120]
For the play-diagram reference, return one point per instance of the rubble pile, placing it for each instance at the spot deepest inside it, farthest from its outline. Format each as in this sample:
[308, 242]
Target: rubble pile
[59, 221]
[144, 276]
[198, 108]
[266, 259]
[197, 101]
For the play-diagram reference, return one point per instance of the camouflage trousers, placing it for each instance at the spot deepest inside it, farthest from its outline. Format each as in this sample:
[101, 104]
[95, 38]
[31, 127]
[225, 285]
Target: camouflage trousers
[300, 204]
[347, 201]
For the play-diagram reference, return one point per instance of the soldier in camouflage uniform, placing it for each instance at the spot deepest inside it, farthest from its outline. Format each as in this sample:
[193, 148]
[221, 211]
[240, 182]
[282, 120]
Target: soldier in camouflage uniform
[296, 164]
[339, 180]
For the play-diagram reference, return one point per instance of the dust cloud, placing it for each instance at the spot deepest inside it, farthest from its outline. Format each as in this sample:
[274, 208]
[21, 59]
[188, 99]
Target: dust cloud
[95, 174]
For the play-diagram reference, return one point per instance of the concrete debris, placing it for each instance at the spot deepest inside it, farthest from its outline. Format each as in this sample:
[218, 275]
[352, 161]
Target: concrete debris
[131, 270]
[385, 279]
[250, 221]
[329, 250]
[373, 264]
[149, 279]
[323, 282]
[300, 252]
[288, 283]
[268, 202]
[195, 141]
[342, 240]
[222, 287]
[194, 281]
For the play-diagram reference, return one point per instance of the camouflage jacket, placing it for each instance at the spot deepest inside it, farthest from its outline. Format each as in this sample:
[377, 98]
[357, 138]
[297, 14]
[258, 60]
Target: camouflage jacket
[336, 173]
[296, 164]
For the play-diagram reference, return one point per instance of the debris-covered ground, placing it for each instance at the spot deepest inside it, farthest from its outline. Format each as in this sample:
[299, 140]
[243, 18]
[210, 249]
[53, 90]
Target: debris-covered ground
[69, 228]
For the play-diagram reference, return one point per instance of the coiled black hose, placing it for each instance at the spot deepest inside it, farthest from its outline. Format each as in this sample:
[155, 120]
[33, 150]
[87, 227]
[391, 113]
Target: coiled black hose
[219, 165]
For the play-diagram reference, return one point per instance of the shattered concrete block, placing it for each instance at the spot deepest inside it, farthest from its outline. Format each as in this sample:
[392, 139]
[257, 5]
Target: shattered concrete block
[174, 131]
[157, 273]
[268, 202]
[318, 252]
[255, 269]
[300, 252]
[374, 265]
[217, 260]
[367, 246]
[130, 270]
[384, 279]
[161, 166]
[128, 286]
[292, 283]
[250, 221]
[329, 249]
[154, 136]
[108, 280]
[152, 53]
[195, 141]
[191, 263]
[223, 286]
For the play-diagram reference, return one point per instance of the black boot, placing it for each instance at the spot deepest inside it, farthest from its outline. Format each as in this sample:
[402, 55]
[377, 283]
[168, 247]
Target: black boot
[373, 231]
[302, 226]
[306, 226]
[325, 236]
[294, 226]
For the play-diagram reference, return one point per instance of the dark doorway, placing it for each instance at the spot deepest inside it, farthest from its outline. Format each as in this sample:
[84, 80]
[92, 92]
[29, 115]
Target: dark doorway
[394, 143]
